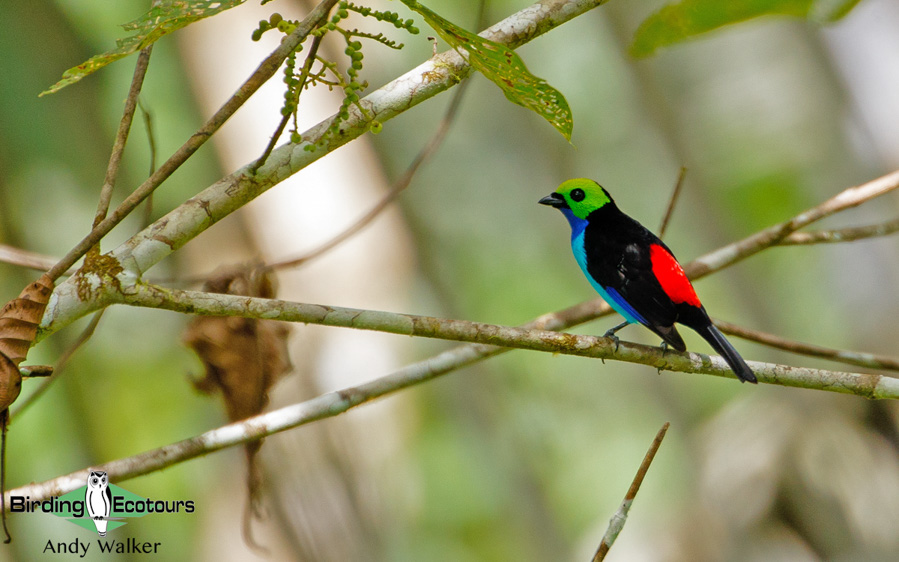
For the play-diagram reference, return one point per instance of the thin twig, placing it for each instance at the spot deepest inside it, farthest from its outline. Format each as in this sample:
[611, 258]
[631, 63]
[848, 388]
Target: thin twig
[696, 269]
[121, 138]
[35, 371]
[304, 76]
[25, 258]
[843, 234]
[4, 423]
[61, 363]
[260, 76]
[618, 520]
[151, 142]
[856, 358]
[672, 201]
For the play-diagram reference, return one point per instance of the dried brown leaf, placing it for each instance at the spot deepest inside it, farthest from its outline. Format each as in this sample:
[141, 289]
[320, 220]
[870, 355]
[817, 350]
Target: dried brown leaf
[19, 320]
[243, 358]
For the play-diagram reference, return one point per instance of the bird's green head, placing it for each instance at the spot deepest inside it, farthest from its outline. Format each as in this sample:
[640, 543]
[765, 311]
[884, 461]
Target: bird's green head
[581, 196]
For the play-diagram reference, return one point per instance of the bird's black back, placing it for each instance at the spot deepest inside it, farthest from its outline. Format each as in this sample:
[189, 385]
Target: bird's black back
[618, 257]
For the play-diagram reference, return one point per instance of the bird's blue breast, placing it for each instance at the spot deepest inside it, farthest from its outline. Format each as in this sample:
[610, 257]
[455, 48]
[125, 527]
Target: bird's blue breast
[609, 294]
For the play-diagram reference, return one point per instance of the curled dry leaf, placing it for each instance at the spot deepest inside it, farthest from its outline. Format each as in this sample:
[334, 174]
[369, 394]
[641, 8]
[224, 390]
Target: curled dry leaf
[243, 358]
[19, 320]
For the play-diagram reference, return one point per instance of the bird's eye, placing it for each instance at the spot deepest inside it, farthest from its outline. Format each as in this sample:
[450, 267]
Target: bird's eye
[577, 195]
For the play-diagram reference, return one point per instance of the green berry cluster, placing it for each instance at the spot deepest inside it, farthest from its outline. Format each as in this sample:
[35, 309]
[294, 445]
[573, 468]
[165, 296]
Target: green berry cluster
[276, 21]
[327, 72]
[292, 92]
[390, 17]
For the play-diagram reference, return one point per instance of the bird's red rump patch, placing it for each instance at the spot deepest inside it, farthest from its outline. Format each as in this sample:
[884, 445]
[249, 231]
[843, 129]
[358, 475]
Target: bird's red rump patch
[671, 276]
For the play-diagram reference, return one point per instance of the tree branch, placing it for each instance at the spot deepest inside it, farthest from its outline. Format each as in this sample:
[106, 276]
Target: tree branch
[24, 258]
[60, 366]
[215, 304]
[856, 358]
[846, 199]
[842, 235]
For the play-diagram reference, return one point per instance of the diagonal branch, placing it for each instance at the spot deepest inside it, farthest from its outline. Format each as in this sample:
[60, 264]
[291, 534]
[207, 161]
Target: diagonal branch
[846, 199]
[121, 138]
[60, 366]
[672, 201]
[620, 517]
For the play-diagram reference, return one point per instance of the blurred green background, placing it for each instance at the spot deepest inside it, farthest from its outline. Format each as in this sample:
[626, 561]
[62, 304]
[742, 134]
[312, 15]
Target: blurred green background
[525, 456]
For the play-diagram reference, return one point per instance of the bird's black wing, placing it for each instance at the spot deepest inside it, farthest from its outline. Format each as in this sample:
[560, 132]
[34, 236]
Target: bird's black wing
[621, 261]
[641, 288]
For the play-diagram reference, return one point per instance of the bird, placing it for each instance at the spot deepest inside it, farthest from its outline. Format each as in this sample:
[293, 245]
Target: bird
[635, 272]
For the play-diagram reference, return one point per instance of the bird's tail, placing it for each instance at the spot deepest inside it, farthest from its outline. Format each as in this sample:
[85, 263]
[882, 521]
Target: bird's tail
[717, 340]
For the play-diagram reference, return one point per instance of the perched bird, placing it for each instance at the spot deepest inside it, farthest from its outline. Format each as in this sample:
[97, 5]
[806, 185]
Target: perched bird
[634, 271]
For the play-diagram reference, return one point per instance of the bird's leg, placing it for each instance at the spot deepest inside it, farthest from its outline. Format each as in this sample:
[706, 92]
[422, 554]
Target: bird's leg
[664, 346]
[611, 334]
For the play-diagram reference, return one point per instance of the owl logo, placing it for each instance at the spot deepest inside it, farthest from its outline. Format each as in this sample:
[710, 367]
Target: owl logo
[98, 499]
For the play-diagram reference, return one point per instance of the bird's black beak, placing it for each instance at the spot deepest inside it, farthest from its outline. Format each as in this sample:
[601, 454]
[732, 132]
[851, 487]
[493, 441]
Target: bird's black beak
[554, 200]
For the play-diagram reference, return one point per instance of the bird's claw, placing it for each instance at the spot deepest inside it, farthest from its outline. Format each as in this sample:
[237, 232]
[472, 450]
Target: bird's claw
[611, 335]
[664, 346]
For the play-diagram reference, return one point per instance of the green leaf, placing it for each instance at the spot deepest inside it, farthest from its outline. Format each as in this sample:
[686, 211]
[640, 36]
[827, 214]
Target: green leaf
[168, 16]
[678, 22]
[505, 69]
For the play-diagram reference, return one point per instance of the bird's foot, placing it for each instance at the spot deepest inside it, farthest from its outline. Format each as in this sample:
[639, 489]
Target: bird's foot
[610, 333]
[664, 346]
[614, 338]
